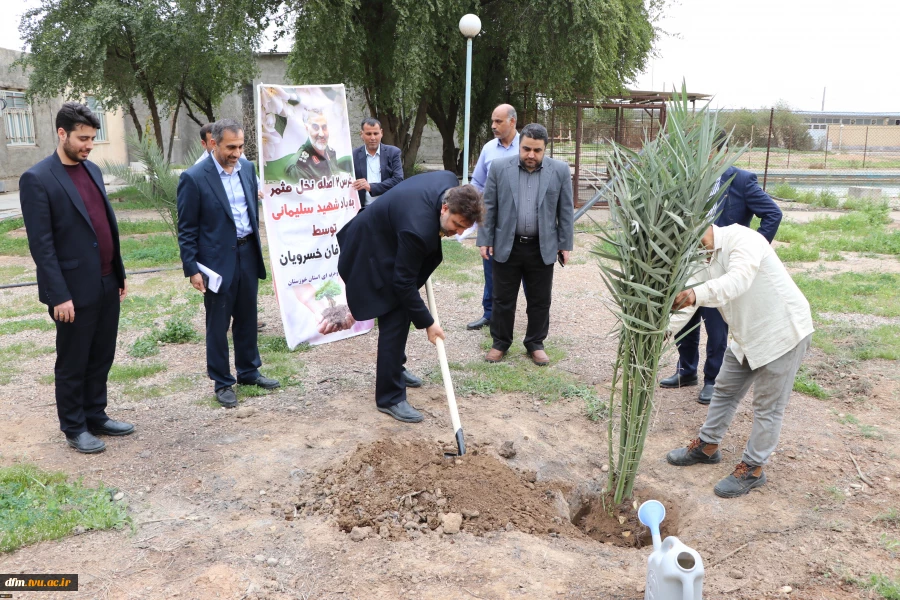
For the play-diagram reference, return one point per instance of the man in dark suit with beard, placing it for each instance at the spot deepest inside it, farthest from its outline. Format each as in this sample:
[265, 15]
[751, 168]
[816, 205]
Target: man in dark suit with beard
[74, 240]
[387, 253]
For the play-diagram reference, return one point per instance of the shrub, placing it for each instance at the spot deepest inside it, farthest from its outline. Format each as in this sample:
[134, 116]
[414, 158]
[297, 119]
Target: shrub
[783, 190]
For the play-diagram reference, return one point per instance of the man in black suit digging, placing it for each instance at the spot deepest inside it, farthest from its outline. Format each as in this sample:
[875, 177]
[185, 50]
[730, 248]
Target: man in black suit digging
[387, 253]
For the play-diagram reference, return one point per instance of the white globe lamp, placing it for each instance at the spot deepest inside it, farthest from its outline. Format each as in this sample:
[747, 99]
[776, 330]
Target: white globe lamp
[470, 26]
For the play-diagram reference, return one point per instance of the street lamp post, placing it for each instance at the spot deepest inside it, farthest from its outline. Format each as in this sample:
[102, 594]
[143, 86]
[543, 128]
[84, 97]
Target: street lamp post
[469, 26]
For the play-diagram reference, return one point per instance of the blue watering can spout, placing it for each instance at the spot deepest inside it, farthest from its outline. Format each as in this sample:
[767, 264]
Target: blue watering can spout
[651, 514]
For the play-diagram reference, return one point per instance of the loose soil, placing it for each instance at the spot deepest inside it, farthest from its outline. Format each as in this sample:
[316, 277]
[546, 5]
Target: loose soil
[235, 505]
[405, 488]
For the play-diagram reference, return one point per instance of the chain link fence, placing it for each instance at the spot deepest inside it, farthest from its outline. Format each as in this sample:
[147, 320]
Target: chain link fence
[819, 159]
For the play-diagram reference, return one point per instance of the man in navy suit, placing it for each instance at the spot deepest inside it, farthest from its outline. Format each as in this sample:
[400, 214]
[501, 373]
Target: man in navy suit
[74, 240]
[742, 199]
[377, 166]
[387, 253]
[218, 227]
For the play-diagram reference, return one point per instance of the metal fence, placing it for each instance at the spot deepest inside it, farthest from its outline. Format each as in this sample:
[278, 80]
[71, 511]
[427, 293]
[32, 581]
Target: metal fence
[810, 159]
[820, 160]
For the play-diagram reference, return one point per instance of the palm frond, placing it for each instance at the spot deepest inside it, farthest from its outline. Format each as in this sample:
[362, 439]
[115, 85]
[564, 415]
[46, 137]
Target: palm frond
[663, 203]
[157, 184]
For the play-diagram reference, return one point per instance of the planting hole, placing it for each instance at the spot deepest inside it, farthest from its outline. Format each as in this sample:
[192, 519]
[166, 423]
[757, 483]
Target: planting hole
[620, 526]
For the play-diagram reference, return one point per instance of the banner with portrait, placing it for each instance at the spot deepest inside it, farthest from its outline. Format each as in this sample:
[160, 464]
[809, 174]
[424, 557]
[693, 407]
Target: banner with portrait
[306, 170]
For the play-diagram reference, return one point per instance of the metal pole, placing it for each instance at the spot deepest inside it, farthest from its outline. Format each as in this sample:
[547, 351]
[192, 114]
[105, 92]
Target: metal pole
[465, 178]
[750, 151]
[768, 147]
[825, 165]
[790, 143]
[576, 175]
[865, 147]
[552, 127]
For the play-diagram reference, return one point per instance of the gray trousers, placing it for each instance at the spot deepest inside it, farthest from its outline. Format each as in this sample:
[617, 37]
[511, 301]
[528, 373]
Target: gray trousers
[772, 385]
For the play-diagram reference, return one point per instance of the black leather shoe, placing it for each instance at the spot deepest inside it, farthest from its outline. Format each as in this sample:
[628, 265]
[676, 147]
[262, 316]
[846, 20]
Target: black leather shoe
[226, 397]
[706, 393]
[86, 443]
[482, 322]
[411, 380]
[260, 325]
[678, 380]
[402, 411]
[112, 428]
[266, 383]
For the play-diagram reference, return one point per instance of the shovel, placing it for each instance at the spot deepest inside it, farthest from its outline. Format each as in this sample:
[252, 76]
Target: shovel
[445, 373]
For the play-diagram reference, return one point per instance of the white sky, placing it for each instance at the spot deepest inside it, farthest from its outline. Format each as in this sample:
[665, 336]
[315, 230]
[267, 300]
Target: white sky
[751, 53]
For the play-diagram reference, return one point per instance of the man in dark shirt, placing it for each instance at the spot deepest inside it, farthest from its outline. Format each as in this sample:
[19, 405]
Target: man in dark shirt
[74, 240]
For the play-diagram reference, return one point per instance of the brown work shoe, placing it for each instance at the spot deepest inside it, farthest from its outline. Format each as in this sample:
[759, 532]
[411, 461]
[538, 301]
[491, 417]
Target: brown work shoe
[539, 357]
[743, 479]
[696, 452]
[494, 355]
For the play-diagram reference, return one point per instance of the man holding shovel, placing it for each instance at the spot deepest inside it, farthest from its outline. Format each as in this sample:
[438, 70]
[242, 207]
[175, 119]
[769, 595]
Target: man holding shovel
[387, 253]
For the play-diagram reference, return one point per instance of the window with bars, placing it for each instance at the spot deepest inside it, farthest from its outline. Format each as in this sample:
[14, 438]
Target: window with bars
[100, 112]
[18, 118]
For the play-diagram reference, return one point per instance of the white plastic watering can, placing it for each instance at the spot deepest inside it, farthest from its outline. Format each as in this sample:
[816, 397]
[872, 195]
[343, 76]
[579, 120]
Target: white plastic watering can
[674, 571]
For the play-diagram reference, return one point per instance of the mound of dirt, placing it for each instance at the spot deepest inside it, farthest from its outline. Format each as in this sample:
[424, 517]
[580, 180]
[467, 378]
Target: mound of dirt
[403, 490]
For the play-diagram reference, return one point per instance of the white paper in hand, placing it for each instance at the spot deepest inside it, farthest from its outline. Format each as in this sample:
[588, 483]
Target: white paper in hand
[215, 280]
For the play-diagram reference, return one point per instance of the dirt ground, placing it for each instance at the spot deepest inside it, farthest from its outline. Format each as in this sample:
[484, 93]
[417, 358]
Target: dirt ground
[230, 505]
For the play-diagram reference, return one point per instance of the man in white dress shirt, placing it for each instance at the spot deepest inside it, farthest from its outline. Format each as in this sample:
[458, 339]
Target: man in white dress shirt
[771, 324]
[377, 166]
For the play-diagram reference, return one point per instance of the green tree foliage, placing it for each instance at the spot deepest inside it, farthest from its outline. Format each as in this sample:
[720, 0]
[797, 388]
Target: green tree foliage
[407, 57]
[168, 53]
[752, 126]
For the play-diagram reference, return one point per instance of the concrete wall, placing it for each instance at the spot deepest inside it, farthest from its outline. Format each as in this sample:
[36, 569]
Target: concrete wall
[272, 69]
[112, 150]
[858, 137]
[15, 160]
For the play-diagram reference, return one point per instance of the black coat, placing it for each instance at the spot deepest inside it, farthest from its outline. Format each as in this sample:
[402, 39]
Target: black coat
[391, 170]
[206, 230]
[390, 249]
[61, 236]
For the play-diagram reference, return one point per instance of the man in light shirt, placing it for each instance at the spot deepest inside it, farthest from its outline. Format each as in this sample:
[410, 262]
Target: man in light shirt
[772, 327]
[506, 143]
[206, 140]
[228, 243]
[377, 166]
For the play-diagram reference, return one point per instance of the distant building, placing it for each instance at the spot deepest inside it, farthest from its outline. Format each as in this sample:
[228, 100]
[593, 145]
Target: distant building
[819, 119]
[853, 130]
[27, 132]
